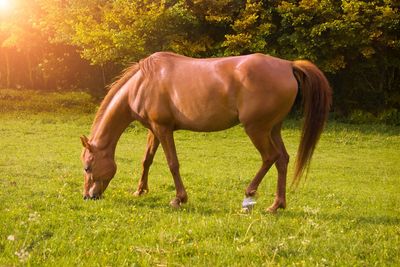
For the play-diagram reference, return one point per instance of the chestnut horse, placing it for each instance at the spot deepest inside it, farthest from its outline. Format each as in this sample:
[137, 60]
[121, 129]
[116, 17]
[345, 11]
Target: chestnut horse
[167, 92]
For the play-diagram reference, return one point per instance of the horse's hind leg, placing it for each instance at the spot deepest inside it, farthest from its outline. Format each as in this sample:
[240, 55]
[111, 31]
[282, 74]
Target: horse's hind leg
[264, 143]
[151, 149]
[281, 165]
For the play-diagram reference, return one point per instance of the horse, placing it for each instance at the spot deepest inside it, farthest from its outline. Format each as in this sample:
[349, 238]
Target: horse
[167, 92]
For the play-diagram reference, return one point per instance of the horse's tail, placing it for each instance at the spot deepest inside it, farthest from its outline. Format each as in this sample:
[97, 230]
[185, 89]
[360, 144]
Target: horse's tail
[317, 100]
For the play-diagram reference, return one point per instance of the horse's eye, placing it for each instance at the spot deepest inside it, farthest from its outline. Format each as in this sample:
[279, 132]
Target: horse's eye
[87, 169]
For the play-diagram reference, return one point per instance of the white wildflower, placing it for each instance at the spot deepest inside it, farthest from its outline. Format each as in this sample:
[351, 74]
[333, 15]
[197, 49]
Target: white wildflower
[22, 254]
[311, 211]
[33, 217]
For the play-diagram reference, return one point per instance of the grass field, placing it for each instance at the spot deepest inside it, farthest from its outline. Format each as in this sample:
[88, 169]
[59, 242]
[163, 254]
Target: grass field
[347, 213]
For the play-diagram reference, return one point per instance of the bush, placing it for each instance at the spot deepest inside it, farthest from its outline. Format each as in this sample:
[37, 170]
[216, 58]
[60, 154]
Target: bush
[37, 101]
[389, 117]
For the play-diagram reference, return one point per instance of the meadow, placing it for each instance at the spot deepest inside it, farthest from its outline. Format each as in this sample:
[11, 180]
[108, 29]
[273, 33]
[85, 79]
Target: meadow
[347, 212]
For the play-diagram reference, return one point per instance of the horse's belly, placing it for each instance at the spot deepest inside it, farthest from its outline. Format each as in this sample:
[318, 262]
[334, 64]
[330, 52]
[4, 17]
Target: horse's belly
[204, 105]
[206, 120]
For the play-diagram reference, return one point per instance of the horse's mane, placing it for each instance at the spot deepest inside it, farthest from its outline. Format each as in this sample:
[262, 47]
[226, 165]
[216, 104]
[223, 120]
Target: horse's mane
[146, 66]
[113, 89]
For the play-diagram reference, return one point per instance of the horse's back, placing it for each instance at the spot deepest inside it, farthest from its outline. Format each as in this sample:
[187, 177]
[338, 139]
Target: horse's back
[196, 94]
[217, 93]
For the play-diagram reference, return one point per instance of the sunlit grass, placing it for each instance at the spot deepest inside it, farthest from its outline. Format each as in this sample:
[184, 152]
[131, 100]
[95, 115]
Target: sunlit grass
[347, 212]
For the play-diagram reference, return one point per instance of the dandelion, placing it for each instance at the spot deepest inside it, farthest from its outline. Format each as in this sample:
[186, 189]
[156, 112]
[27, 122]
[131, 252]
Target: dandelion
[11, 238]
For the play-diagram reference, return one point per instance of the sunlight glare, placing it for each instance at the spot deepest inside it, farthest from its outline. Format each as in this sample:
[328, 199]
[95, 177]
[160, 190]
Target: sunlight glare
[5, 5]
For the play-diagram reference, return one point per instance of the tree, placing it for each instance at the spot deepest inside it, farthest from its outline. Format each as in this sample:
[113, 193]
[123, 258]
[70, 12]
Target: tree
[122, 31]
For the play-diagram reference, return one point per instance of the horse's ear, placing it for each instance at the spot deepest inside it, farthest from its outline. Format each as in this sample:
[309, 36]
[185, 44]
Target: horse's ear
[85, 142]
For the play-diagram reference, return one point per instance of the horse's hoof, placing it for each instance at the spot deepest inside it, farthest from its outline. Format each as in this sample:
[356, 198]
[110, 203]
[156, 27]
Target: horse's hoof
[274, 207]
[248, 204]
[139, 193]
[271, 210]
[175, 203]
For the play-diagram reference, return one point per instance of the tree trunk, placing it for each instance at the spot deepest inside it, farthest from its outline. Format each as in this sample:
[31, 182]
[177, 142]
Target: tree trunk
[30, 72]
[103, 75]
[8, 69]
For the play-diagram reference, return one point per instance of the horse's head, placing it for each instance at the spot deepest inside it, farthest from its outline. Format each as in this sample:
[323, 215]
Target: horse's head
[99, 169]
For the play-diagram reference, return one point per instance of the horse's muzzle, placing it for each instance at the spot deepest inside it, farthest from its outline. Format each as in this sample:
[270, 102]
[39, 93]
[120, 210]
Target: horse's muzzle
[91, 197]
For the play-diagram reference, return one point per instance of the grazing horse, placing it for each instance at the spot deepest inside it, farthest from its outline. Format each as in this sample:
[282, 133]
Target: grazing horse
[167, 92]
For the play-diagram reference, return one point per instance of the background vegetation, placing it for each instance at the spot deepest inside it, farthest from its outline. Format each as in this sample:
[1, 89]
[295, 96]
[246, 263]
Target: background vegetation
[75, 44]
[346, 214]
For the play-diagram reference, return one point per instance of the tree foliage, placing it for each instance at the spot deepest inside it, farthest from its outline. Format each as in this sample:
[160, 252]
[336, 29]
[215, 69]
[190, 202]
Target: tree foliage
[356, 42]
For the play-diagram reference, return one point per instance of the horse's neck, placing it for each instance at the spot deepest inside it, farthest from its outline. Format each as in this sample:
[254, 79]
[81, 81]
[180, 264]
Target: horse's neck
[114, 121]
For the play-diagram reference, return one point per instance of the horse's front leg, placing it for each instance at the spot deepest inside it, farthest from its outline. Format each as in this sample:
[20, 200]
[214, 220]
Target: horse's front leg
[165, 135]
[151, 149]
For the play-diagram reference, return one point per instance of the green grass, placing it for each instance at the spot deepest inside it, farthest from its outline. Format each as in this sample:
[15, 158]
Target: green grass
[347, 213]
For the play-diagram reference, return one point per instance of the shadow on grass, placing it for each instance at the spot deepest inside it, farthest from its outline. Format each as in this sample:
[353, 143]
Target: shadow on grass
[161, 201]
[149, 203]
[157, 202]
